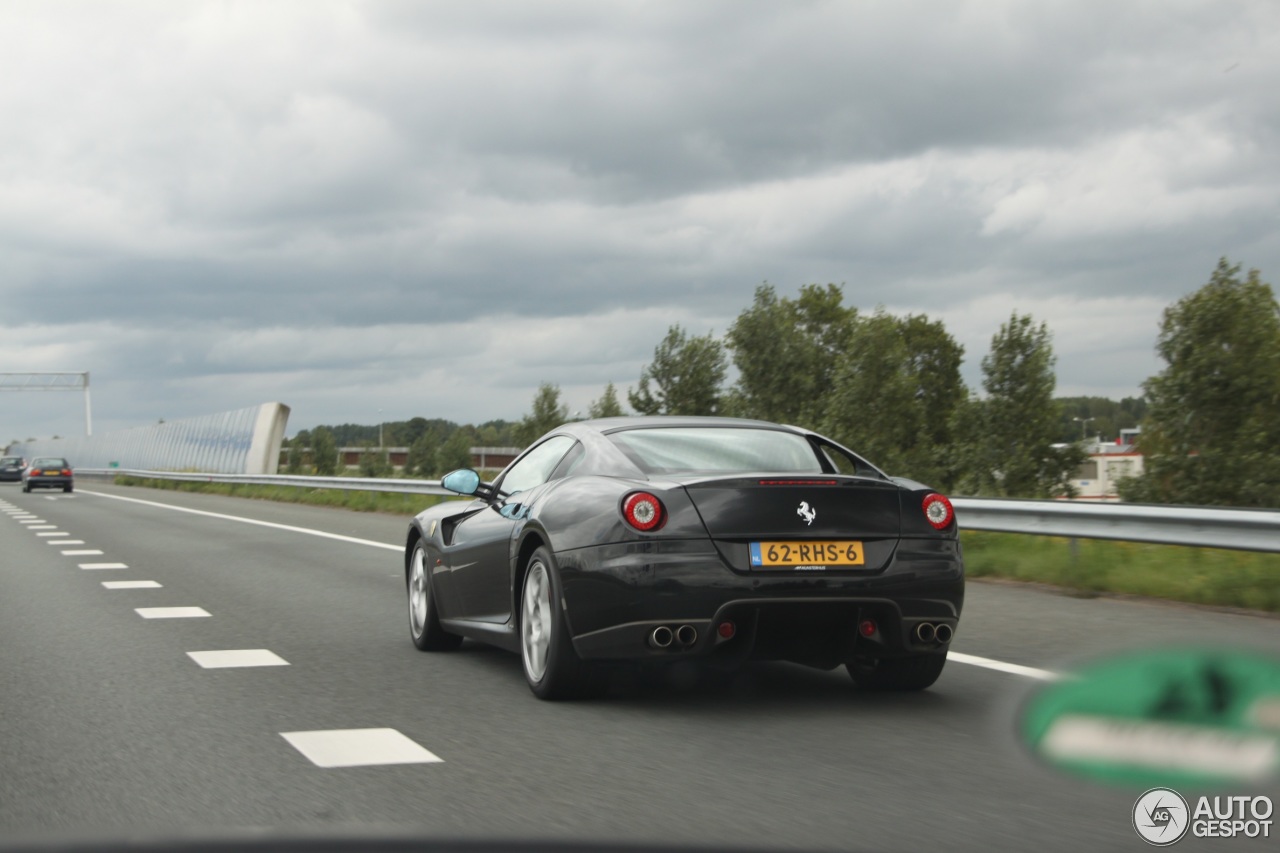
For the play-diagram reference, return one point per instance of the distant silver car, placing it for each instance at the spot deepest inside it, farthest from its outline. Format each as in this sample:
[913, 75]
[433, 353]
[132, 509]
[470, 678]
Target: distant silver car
[48, 472]
[11, 468]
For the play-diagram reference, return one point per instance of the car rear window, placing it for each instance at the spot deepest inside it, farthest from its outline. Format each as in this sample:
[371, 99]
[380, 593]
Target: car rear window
[719, 450]
[49, 463]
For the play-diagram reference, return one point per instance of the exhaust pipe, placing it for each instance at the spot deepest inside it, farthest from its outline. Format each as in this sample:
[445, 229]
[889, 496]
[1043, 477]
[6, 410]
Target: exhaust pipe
[925, 632]
[660, 637]
[686, 635]
[943, 633]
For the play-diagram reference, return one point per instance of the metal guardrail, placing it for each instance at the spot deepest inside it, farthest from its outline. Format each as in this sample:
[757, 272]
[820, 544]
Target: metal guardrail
[356, 484]
[1205, 527]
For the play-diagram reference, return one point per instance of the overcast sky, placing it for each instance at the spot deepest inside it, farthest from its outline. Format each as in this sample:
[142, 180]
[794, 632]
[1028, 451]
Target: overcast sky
[374, 210]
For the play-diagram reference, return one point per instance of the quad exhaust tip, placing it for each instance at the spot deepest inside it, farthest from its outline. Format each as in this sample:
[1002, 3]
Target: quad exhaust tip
[663, 636]
[927, 632]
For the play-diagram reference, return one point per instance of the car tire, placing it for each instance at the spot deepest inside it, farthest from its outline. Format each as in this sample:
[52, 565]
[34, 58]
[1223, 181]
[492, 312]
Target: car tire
[550, 663]
[915, 672]
[26, 487]
[424, 620]
[67, 488]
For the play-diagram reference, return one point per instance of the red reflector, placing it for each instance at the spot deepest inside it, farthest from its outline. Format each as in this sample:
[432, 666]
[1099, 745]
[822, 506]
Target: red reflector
[799, 482]
[866, 627]
[726, 630]
[643, 511]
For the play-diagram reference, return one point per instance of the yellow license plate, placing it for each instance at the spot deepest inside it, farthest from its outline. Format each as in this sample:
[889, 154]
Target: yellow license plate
[767, 554]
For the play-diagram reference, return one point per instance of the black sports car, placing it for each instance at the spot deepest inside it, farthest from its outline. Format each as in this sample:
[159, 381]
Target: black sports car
[660, 539]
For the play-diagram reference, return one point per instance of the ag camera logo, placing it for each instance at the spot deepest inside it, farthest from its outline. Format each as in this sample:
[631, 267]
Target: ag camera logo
[1161, 817]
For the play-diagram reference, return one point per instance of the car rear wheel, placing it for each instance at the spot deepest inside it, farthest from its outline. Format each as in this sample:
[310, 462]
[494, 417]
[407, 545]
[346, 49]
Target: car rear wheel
[67, 487]
[551, 666]
[910, 673]
[424, 621]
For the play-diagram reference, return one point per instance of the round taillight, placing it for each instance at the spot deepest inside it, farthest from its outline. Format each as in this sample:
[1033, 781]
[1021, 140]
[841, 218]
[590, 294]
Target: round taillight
[643, 511]
[867, 628]
[726, 630]
[938, 511]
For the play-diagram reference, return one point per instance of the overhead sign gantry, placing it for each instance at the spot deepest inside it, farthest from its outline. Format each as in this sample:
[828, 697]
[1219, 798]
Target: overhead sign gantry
[51, 381]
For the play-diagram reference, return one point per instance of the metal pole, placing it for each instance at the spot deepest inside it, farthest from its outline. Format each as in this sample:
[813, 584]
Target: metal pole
[88, 418]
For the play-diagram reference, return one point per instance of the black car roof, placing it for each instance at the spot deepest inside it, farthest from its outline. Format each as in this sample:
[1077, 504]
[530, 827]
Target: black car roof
[606, 425]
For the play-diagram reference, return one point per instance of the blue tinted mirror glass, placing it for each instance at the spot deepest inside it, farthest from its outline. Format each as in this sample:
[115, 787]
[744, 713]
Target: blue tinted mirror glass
[463, 481]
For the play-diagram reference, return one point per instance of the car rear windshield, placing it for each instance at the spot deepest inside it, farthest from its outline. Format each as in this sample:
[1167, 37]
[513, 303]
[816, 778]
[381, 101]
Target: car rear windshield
[9, 461]
[718, 450]
[49, 463]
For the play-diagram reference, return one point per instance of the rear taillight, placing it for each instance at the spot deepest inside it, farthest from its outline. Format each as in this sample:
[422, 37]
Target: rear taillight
[35, 472]
[938, 511]
[643, 511]
[66, 472]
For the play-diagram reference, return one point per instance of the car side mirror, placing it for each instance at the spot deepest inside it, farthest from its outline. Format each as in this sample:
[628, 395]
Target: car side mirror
[464, 481]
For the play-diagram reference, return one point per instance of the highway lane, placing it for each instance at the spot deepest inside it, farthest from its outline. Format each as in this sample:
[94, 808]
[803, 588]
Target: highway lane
[110, 727]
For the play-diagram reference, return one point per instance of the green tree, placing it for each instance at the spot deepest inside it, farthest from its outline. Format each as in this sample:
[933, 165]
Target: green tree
[1010, 435]
[421, 459]
[324, 452]
[686, 374]
[787, 352]
[607, 406]
[374, 462]
[454, 453]
[297, 449]
[1213, 422]
[894, 394]
[548, 413]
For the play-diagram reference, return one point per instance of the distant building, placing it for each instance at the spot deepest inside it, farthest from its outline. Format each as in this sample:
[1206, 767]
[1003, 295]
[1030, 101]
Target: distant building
[1107, 465]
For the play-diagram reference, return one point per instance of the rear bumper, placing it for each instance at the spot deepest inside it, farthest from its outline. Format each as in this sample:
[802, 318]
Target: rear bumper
[616, 595]
[49, 482]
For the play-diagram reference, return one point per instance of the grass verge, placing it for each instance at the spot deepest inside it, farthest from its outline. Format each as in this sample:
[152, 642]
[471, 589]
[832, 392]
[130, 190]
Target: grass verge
[1212, 576]
[388, 502]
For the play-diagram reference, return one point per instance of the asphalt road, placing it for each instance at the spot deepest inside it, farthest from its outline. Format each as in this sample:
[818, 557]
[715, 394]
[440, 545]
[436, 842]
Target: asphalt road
[109, 728]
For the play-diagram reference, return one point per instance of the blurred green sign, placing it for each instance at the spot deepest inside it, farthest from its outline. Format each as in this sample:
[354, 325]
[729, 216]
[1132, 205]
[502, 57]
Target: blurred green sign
[1174, 717]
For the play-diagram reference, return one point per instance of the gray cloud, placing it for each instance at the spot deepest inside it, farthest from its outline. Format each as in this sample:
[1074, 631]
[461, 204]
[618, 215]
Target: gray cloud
[337, 204]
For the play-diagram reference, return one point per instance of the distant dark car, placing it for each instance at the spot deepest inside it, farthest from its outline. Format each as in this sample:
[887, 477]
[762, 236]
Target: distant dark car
[11, 468]
[658, 540]
[48, 472]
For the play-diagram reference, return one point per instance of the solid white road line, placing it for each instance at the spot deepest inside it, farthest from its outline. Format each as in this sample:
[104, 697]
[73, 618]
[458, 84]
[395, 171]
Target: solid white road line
[359, 748]
[131, 585]
[958, 657]
[1001, 666]
[171, 612]
[225, 658]
[290, 528]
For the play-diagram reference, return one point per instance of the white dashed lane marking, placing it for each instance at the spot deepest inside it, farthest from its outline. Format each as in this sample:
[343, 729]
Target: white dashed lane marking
[91, 566]
[87, 552]
[52, 533]
[226, 658]
[171, 612]
[32, 521]
[43, 527]
[359, 748]
[131, 585]
[65, 542]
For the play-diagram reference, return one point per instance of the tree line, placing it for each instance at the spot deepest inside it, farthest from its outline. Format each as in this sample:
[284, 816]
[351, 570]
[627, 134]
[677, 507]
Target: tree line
[890, 387]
